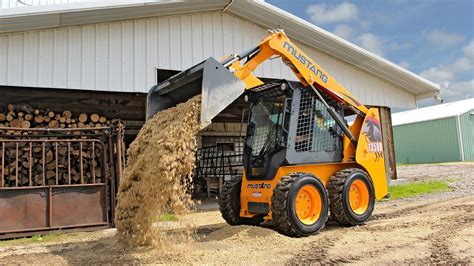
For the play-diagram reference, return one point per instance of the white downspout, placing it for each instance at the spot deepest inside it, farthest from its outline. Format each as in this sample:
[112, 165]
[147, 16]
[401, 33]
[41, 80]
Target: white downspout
[461, 146]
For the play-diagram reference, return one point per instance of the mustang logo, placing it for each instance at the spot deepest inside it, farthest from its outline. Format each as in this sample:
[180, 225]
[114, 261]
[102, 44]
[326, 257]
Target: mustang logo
[373, 135]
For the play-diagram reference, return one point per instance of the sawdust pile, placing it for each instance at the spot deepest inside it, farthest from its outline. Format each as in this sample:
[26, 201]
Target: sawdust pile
[158, 174]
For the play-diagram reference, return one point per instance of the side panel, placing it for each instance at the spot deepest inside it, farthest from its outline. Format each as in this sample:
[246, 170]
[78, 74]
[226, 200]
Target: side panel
[370, 153]
[427, 142]
[467, 130]
[261, 191]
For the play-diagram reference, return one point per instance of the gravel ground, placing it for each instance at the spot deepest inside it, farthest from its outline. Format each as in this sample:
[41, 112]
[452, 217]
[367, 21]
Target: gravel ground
[435, 228]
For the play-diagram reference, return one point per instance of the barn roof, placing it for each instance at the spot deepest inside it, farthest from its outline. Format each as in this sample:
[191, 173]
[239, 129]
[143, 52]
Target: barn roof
[433, 112]
[259, 12]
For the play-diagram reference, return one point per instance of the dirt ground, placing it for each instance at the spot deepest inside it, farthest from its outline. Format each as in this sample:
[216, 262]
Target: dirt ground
[432, 228]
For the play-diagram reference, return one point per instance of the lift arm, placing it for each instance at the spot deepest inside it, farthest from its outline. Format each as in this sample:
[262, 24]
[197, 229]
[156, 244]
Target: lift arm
[305, 69]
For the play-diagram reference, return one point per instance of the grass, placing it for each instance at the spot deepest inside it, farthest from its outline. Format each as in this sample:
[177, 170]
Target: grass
[168, 217]
[417, 188]
[53, 237]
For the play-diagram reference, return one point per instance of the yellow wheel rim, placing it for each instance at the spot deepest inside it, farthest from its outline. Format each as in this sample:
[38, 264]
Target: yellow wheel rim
[308, 204]
[359, 197]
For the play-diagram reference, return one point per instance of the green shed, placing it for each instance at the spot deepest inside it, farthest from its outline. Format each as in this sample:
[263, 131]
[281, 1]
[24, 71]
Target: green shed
[440, 133]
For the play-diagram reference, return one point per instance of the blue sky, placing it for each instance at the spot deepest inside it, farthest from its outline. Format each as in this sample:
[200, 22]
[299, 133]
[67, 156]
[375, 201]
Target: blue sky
[432, 38]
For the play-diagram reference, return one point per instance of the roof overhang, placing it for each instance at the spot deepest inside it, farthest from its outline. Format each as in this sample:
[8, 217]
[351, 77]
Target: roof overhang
[258, 12]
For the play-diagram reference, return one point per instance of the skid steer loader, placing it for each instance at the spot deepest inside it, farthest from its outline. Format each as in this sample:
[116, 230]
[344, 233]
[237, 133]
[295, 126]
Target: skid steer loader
[301, 160]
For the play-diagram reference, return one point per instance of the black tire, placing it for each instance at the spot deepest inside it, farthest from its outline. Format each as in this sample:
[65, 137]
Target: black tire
[284, 215]
[229, 205]
[338, 187]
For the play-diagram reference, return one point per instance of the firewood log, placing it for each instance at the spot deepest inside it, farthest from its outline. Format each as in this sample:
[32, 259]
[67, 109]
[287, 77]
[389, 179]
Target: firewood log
[67, 114]
[82, 118]
[39, 119]
[53, 124]
[25, 124]
[95, 118]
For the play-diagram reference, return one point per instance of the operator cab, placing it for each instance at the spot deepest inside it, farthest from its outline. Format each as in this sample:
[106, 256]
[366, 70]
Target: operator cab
[276, 138]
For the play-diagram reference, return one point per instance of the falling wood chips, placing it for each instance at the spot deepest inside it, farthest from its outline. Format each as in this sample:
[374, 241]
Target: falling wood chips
[158, 175]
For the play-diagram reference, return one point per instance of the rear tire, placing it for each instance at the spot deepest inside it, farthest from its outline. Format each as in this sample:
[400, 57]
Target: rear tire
[299, 205]
[351, 197]
[229, 204]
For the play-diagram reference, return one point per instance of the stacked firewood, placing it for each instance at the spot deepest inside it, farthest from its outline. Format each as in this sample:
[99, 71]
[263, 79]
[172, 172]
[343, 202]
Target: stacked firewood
[55, 163]
[45, 157]
[26, 116]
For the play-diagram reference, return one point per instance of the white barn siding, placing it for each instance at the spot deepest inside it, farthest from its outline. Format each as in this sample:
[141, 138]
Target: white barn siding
[123, 56]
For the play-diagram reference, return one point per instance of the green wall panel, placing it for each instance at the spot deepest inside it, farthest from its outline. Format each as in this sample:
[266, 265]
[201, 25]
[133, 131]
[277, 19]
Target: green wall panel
[467, 129]
[427, 142]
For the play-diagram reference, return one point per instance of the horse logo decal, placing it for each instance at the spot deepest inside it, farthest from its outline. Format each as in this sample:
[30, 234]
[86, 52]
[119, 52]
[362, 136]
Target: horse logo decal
[373, 135]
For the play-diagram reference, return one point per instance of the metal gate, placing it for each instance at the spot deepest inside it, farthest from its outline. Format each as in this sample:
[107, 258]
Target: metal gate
[58, 178]
[214, 165]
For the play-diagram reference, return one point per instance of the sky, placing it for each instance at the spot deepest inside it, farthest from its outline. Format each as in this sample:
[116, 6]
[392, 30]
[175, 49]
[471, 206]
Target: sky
[431, 38]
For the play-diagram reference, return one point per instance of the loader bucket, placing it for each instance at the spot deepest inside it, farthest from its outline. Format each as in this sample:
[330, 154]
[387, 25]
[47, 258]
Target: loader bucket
[216, 84]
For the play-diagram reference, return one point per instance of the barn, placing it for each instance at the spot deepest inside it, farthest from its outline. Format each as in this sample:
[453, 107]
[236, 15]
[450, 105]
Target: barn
[440, 133]
[101, 58]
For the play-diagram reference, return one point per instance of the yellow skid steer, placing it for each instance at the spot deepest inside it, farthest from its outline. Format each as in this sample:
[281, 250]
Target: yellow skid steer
[302, 162]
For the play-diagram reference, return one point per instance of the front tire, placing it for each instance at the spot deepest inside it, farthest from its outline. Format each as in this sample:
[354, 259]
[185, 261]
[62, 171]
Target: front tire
[351, 197]
[229, 204]
[299, 205]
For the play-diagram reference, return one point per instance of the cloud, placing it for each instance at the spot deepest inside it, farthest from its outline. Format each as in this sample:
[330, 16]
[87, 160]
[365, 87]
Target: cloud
[404, 64]
[396, 46]
[449, 72]
[343, 31]
[324, 14]
[455, 91]
[446, 76]
[444, 38]
[438, 74]
[469, 50]
[371, 42]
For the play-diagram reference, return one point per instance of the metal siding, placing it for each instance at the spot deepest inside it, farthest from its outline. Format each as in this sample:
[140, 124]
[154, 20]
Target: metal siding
[217, 35]
[3, 58]
[187, 45]
[467, 129]
[127, 56]
[207, 35]
[31, 59]
[427, 142]
[74, 66]
[15, 59]
[175, 43]
[140, 55]
[197, 37]
[152, 49]
[164, 43]
[102, 58]
[115, 57]
[60, 58]
[123, 56]
[88, 57]
[46, 55]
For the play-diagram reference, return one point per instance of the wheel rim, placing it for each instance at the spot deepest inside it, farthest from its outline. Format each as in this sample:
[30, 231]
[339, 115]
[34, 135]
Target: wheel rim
[359, 197]
[308, 204]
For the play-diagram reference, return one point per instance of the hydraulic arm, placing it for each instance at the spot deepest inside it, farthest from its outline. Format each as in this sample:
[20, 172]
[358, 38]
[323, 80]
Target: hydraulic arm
[307, 71]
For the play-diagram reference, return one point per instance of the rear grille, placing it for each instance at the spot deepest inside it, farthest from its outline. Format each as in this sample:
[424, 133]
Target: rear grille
[259, 207]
